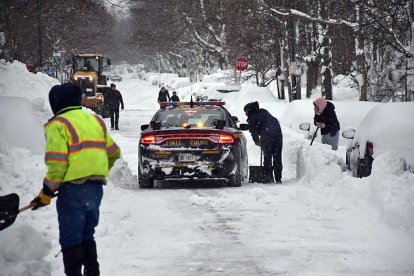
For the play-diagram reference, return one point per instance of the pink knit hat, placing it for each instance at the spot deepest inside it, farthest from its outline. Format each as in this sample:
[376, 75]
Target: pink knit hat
[320, 104]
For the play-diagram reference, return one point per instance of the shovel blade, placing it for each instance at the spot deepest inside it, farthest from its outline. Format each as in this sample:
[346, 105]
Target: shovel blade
[256, 174]
[9, 209]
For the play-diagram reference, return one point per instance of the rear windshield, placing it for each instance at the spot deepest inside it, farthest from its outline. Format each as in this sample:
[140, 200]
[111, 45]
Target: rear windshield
[190, 117]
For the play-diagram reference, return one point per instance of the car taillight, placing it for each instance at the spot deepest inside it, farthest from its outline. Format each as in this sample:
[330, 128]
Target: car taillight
[370, 148]
[147, 140]
[226, 139]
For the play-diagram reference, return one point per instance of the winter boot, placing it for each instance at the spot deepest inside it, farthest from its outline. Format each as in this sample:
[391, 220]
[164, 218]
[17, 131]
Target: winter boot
[90, 261]
[72, 259]
[116, 127]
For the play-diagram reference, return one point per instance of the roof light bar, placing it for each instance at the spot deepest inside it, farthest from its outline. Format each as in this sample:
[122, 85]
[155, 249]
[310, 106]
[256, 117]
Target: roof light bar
[175, 104]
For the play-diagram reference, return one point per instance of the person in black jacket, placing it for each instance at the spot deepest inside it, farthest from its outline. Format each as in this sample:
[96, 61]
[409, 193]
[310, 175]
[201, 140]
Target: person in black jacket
[112, 100]
[266, 133]
[325, 118]
[174, 97]
[163, 95]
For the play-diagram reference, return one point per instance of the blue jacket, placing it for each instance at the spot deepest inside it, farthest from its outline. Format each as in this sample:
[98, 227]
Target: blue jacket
[263, 126]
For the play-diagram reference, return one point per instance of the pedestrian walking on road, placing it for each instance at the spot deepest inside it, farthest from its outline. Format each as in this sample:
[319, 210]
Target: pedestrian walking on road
[79, 153]
[325, 118]
[267, 134]
[174, 97]
[163, 95]
[112, 100]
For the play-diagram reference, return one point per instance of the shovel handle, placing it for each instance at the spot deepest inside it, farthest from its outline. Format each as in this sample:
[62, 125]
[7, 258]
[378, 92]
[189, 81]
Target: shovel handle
[314, 135]
[31, 205]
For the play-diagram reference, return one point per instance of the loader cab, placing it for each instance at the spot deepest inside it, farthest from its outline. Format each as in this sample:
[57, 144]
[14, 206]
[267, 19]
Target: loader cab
[87, 63]
[87, 72]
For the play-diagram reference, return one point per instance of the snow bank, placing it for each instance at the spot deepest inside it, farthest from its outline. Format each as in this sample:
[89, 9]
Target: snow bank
[393, 190]
[19, 126]
[22, 252]
[24, 106]
[16, 81]
[318, 162]
[121, 176]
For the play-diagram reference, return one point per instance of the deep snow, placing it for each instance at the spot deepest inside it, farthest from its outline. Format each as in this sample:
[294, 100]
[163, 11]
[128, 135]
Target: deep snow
[320, 221]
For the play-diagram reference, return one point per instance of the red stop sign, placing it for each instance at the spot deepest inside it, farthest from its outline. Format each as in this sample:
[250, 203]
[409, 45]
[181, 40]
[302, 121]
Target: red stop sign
[242, 63]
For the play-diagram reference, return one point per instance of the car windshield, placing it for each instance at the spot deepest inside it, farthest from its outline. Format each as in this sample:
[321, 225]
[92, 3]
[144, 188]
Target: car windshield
[189, 117]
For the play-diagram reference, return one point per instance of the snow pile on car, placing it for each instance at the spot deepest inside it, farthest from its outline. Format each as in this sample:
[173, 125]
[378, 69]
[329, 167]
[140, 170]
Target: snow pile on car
[389, 127]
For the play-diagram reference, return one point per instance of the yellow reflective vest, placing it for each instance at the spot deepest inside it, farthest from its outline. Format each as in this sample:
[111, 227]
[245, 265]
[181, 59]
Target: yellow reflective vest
[78, 146]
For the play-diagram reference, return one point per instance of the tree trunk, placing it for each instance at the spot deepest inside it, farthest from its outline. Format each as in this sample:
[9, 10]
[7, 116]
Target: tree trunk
[410, 70]
[360, 60]
[39, 33]
[327, 83]
[298, 88]
[286, 71]
[311, 76]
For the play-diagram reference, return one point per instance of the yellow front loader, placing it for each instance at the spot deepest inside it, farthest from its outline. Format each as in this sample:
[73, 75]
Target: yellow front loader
[88, 74]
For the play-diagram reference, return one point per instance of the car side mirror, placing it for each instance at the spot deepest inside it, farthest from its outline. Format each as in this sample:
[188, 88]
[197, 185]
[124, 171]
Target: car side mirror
[156, 125]
[108, 61]
[235, 119]
[219, 124]
[348, 133]
[244, 127]
[304, 126]
[144, 127]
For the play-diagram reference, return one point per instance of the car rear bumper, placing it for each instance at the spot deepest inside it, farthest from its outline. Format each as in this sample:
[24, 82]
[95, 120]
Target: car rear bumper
[214, 165]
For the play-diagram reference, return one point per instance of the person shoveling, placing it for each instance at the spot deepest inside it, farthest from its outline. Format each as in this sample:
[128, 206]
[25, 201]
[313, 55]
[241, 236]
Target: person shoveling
[74, 138]
[267, 134]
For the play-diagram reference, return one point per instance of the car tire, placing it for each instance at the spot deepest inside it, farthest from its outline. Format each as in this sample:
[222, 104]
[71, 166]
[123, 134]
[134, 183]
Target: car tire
[145, 182]
[364, 166]
[236, 179]
[347, 161]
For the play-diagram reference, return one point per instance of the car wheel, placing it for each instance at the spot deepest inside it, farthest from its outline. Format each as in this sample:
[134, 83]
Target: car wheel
[144, 181]
[364, 166]
[236, 179]
[347, 161]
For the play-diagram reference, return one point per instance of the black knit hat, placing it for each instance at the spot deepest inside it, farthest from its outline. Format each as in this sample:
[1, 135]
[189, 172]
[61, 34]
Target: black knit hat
[250, 108]
[65, 95]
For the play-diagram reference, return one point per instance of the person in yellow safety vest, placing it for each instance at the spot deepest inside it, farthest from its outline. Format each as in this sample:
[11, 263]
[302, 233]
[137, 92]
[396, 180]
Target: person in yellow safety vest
[79, 154]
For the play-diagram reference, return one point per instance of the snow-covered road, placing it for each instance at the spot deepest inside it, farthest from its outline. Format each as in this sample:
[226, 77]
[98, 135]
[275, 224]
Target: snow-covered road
[257, 229]
[320, 221]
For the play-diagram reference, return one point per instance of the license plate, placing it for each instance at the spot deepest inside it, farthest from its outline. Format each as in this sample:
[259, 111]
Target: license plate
[198, 142]
[186, 158]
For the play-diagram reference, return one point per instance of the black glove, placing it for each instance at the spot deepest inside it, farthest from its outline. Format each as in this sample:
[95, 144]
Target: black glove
[43, 199]
[332, 133]
[122, 107]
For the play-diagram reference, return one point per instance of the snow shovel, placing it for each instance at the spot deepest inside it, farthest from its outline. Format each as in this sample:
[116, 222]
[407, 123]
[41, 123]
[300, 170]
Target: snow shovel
[314, 135]
[256, 173]
[9, 209]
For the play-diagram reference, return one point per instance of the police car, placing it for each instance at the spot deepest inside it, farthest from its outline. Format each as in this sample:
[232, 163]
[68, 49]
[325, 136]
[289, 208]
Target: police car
[192, 140]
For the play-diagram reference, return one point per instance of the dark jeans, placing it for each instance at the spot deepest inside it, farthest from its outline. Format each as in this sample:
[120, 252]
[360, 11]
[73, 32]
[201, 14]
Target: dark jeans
[272, 161]
[78, 212]
[114, 113]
